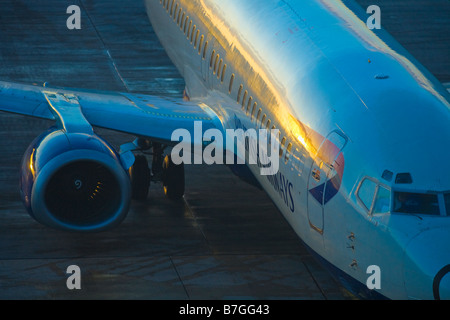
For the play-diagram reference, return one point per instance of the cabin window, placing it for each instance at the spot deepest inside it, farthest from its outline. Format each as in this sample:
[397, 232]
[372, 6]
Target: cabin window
[288, 151]
[200, 44]
[223, 73]
[179, 16]
[269, 134]
[204, 50]
[244, 99]
[215, 64]
[182, 21]
[196, 38]
[186, 24]
[366, 193]
[171, 8]
[193, 33]
[230, 87]
[282, 143]
[254, 110]
[175, 11]
[263, 119]
[219, 68]
[239, 93]
[258, 115]
[212, 59]
[189, 29]
[249, 104]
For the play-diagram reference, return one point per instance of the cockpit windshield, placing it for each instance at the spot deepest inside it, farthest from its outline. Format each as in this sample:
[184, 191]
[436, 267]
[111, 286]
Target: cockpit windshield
[377, 198]
[422, 203]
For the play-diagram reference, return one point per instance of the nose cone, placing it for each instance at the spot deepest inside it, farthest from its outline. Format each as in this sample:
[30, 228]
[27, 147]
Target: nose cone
[427, 265]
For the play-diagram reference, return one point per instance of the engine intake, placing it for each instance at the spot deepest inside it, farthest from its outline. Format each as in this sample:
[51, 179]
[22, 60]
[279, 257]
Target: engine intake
[74, 181]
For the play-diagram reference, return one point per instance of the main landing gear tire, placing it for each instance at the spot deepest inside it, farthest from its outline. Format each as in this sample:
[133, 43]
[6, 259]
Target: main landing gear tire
[140, 178]
[173, 179]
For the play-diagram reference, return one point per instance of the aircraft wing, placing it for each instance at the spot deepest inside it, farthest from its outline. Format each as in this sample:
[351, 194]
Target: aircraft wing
[137, 114]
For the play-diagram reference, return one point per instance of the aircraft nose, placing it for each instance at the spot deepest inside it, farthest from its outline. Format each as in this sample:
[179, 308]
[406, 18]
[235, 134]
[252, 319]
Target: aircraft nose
[427, 265]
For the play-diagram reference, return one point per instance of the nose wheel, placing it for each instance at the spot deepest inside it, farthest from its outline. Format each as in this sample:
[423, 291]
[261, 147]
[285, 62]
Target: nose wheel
[173, 179]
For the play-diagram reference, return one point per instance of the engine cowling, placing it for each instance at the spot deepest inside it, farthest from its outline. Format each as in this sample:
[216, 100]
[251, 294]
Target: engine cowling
[74, 181]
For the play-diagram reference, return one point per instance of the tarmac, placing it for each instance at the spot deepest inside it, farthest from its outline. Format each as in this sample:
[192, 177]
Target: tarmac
[226, 239]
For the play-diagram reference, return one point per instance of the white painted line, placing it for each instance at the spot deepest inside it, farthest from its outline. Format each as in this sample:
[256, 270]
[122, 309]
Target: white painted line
[447, 86]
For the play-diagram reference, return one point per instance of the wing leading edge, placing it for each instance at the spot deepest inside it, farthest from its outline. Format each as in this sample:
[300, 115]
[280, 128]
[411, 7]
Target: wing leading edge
[142, 115]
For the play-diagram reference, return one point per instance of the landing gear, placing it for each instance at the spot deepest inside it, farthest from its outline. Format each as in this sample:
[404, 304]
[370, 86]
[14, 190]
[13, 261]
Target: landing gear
[157, 161]
[140, 178]
[162, 169]
[173, 179]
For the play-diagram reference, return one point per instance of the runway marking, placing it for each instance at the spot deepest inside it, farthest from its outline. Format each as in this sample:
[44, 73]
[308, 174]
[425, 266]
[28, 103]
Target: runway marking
[106, 50]
[447, 86]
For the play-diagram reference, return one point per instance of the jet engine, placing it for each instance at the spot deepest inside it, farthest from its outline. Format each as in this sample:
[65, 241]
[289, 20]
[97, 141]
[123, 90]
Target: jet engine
[74, 181]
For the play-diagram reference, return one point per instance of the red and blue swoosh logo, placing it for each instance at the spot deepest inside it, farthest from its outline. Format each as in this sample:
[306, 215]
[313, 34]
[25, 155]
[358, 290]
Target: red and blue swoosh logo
[327, 190]
[329, 154]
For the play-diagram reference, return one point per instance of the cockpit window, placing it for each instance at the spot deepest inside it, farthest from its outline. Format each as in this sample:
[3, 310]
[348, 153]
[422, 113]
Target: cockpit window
[366, 192]
[421, 203]
[382, 200]
[447, 203]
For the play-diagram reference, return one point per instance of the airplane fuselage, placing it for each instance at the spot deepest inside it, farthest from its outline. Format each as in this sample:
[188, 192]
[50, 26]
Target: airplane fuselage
[355, 112]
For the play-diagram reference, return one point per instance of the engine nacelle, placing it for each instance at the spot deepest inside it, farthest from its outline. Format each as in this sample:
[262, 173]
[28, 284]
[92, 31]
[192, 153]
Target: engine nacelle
[74, 181]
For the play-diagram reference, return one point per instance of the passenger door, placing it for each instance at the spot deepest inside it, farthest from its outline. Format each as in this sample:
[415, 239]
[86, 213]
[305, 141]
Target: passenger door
[325, 177]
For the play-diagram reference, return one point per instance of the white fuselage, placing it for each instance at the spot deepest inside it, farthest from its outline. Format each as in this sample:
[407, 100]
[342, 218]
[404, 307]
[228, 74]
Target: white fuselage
[350, 104]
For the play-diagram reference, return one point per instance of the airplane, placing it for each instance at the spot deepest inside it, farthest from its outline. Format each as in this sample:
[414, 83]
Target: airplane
[364, 132]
